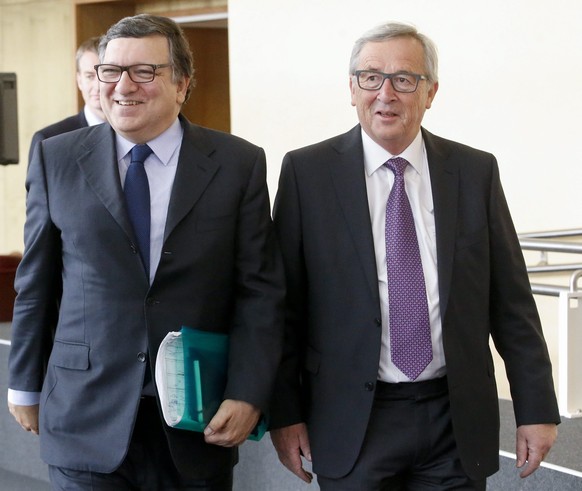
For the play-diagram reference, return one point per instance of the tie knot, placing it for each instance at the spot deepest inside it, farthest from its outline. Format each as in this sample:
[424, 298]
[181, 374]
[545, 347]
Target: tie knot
[397, 165]
[140, 152]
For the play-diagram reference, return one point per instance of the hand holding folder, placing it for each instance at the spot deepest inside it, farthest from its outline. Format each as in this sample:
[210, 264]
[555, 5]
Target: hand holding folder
[191, 372]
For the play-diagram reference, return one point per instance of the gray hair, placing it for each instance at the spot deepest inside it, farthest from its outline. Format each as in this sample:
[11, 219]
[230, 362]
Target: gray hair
[144, 25]
[394, 30]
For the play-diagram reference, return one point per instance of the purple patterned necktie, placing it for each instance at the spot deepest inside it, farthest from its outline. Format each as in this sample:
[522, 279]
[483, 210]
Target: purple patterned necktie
[137, 198]
[410, 340]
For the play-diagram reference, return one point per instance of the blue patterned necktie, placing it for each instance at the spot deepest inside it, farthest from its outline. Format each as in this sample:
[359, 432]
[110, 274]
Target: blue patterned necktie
[410, 337]
[137, 197]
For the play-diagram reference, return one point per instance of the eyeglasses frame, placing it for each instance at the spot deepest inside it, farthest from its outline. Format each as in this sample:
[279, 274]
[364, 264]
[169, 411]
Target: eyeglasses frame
[126, 69]
[390, 76]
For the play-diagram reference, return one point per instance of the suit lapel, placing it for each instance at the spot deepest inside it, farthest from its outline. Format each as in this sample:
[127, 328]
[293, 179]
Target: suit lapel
[194, 173]
[98, 162]
[444, 177]
[347, 175]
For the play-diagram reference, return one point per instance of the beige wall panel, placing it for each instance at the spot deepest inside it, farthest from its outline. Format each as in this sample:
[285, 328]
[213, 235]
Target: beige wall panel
[36, 42]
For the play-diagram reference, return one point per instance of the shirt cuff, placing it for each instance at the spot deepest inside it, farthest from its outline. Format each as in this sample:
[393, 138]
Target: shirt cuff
[23, 398]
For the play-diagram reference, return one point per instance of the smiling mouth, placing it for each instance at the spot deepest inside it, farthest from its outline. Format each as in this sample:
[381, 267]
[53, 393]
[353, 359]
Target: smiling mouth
[128, 103]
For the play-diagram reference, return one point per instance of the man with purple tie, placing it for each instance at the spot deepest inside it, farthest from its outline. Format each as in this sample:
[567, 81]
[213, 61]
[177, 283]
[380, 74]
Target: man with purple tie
[402, 263]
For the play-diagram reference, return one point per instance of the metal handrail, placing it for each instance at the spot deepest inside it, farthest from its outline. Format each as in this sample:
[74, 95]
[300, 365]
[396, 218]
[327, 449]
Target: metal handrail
[548, 290]
[568, 328]
[549, 234]
[556, 268]
[550, 246]
[540, 241]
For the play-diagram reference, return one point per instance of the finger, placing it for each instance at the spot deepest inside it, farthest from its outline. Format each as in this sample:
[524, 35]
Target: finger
[226, 436]
[29, 428]
[292, 460]
[534, 460]
[296, 467]
[521, 452]
[305, 448]
[304, 476]
[216, 424]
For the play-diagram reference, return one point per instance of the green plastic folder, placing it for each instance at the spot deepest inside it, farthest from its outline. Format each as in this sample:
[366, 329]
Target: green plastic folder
[191, 373]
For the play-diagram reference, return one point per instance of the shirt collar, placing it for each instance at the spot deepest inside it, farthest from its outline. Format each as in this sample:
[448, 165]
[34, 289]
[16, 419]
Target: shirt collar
[163, 145]
[91, 117]
[376, 156]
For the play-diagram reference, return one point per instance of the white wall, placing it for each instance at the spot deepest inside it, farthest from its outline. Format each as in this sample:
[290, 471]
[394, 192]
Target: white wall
[498, 60]
[509, 75]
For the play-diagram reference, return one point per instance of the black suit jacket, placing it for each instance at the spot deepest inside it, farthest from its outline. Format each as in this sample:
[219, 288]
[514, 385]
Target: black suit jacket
[333, 311]
[219, 271]
[68, 124]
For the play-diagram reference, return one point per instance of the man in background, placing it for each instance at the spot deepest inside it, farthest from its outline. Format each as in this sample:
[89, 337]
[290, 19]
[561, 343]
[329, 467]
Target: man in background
[402, 263]
[86, 58]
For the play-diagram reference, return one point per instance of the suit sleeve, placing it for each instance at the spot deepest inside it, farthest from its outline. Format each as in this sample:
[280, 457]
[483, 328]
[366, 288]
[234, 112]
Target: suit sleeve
[257, 328]
[38, 286]
[515, 324]
[37, 137]
[287, 404]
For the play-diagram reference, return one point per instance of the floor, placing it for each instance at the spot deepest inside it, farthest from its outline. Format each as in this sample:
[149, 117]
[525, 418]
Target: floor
[565, 454]
[10, 481]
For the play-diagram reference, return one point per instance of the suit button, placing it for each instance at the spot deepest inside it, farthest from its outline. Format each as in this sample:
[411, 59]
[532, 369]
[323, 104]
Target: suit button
[141, 356]
[378, 321]
[369, 386]
[133, 248]
[151, 301]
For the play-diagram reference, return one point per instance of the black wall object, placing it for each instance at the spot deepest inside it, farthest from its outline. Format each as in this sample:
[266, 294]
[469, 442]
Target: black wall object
[8, 119]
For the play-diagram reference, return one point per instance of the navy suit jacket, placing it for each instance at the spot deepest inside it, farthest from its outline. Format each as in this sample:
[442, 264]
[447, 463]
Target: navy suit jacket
[219, 271]
[68, 124]
[333, 325]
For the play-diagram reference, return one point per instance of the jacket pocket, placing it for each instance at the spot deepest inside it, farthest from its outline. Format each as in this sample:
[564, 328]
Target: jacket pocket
[70, 355]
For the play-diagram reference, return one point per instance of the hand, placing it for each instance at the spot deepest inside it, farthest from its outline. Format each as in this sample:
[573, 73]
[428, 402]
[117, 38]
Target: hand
[232, 423]
[25, 416]
[291, 442]
[532, 445]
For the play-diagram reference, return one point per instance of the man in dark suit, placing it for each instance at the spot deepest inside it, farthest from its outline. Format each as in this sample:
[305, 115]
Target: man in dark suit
[91, 114]
[345, 398]
[210, 263]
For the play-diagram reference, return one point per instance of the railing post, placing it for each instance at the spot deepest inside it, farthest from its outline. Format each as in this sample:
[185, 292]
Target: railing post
[569, 345]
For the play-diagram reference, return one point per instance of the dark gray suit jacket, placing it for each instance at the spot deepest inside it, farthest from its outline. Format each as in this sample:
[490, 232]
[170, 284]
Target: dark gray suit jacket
[333, 316]
[64, 126]
[219, 271]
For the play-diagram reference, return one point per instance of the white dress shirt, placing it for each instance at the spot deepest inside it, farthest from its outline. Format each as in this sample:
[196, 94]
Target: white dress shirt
[379, 181]
[91, 117]
[160, 168]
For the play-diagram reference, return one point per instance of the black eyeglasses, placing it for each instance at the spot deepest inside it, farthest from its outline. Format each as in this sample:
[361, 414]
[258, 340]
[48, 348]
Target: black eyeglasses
[401, 81]
[140, 74]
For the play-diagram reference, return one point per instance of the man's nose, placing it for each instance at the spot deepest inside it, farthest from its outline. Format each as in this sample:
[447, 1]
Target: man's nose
[387, 90]
[125, 80]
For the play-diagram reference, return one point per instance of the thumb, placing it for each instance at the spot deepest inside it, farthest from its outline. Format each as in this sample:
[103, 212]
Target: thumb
[216, 423]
